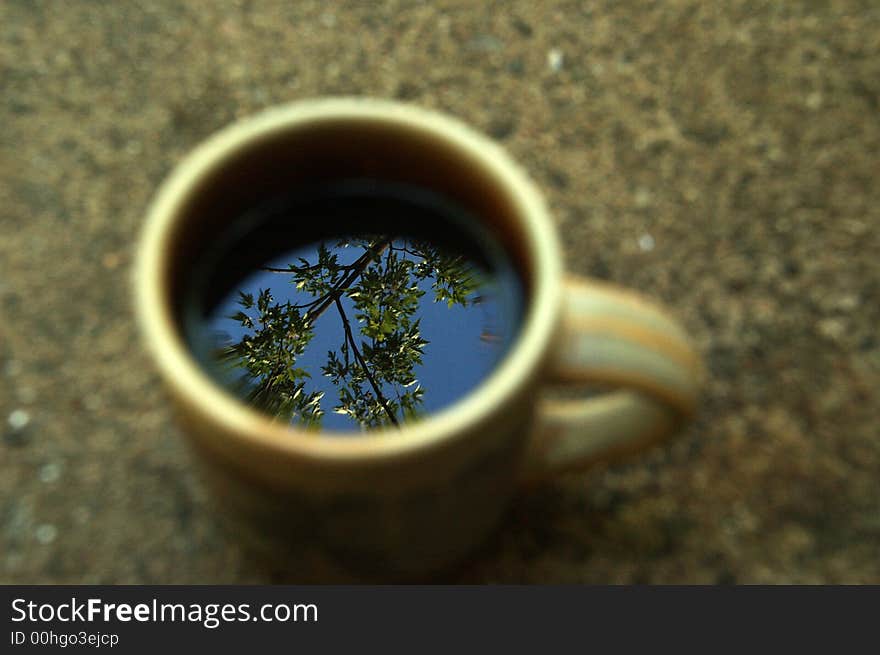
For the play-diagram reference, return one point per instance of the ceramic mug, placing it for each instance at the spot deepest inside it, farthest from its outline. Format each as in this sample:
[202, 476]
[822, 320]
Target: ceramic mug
[399, 504]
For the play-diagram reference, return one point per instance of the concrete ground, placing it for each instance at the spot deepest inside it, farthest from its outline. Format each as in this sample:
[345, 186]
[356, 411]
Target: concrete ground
[721, 157]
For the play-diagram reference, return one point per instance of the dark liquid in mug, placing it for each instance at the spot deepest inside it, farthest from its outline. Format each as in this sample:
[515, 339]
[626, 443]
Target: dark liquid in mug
[355, 306]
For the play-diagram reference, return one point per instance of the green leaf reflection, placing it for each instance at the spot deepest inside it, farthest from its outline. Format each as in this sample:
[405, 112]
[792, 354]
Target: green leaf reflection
[374, 367]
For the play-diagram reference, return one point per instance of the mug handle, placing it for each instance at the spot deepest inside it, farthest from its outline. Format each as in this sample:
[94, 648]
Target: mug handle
[619, 341]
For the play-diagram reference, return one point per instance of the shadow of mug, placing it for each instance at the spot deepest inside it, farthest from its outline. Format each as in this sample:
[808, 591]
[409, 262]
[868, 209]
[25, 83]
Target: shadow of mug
[395, 505]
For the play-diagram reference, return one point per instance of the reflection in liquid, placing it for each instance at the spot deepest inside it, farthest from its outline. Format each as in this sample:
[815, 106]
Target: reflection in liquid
[367, 302]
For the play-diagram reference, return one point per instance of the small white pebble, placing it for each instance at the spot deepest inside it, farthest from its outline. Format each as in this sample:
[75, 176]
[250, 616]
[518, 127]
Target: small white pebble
[50, 472]
[555, 60]
[19, 419]
[833, 328]
[814, 101]
[848, 303]
[854, 227]
[646, 242]
[46, 533]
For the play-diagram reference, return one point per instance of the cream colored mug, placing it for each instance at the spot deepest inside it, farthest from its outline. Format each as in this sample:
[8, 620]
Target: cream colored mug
[403, 503]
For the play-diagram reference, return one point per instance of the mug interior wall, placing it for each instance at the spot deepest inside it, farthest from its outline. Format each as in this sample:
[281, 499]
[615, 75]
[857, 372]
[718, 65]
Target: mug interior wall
[276, 162]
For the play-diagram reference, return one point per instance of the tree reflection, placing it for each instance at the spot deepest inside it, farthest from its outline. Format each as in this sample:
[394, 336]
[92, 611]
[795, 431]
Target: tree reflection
[374, 366]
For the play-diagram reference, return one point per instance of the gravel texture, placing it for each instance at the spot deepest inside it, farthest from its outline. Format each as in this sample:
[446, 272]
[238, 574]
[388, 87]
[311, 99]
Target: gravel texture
[721, 157]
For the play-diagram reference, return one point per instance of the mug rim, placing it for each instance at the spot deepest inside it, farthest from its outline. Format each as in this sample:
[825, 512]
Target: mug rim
[189, 382]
